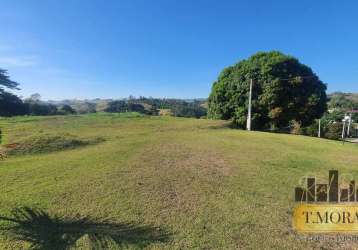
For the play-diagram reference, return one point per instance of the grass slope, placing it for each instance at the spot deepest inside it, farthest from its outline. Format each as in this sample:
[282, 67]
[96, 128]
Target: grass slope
[205, 185]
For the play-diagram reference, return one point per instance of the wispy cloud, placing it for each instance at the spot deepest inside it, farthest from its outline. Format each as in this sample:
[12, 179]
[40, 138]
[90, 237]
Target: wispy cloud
[18, 61]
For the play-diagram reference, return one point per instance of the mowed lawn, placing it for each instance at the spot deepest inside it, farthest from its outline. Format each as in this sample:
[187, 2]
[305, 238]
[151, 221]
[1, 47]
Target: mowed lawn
[180, 183]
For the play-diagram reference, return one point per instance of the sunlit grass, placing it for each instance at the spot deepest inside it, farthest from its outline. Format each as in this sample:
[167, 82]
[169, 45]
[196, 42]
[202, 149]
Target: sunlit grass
[209, 186]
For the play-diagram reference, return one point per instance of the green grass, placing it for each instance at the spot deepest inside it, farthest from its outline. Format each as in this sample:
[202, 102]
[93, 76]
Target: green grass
[205, 185]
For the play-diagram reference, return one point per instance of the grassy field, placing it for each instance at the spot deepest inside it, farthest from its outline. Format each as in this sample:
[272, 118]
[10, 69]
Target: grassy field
[157, 183]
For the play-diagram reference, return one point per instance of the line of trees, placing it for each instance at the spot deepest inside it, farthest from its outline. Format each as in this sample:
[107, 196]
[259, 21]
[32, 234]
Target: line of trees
[12, 105]
[177, 107]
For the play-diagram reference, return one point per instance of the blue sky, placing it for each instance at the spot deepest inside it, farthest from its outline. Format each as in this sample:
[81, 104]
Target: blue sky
[166, 48]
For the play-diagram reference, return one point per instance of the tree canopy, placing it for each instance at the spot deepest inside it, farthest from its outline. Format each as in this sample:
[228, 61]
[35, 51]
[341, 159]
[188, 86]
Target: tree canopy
[284, 90]
[6, 82]
[9, 104]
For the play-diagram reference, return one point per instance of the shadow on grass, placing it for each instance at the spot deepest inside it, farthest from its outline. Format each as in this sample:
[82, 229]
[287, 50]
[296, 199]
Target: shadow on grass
[43, 231]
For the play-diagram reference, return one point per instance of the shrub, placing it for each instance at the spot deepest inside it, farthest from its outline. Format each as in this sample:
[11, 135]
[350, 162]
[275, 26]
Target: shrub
[334, 131]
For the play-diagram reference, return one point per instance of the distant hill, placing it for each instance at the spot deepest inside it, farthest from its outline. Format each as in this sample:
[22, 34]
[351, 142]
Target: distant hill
[350, 96]
[177, 107]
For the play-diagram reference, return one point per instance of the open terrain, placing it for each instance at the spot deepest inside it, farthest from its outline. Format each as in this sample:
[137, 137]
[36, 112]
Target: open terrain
[157, 183]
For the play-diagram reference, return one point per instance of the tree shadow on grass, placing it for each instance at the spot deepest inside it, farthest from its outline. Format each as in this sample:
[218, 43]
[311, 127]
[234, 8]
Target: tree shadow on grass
[44, 232]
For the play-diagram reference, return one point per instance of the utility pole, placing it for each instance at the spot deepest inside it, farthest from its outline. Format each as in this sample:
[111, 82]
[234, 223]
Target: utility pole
[344, 127]
[319, 127]
[349, 124]
[248, 123]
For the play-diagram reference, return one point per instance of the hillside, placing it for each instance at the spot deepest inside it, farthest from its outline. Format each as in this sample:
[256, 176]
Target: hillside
[350, 96]
[163, 182]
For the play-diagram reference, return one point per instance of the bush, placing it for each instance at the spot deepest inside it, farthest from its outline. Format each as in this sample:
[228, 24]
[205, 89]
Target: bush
[188, 110]
[312, 130]
[295, 128]
[334, 131]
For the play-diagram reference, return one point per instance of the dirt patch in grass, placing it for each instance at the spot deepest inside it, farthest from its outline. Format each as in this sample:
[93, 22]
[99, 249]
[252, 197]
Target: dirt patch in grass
[48, 143]
[179, 177]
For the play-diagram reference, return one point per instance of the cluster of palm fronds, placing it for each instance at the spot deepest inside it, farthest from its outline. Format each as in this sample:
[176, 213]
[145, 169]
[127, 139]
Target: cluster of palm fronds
[43, 231]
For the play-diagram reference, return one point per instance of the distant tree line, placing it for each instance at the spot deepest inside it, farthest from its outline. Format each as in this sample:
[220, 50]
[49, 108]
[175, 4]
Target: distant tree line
[178, 107]
[12, 105]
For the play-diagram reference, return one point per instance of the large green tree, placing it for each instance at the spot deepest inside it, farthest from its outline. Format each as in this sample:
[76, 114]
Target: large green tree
[284, 90]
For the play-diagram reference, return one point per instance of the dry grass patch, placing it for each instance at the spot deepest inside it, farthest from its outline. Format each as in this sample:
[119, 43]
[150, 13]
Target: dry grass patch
[47, 143]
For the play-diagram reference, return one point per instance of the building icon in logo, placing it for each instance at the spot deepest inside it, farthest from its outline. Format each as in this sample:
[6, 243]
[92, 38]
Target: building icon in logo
[326, 192]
